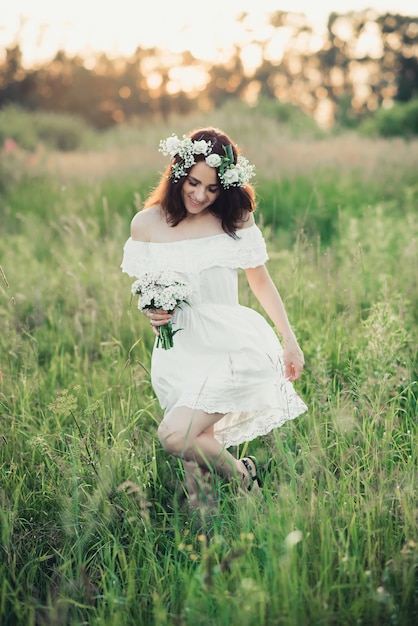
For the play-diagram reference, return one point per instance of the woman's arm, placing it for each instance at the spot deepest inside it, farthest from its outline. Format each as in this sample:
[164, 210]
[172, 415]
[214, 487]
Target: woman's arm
[267, 294]
[142, 226]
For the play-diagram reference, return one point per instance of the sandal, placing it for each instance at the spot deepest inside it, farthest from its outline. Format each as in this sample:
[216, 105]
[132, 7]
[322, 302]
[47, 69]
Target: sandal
[252, 475]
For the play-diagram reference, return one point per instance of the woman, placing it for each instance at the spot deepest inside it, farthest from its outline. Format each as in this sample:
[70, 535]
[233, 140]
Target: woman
[227, 378]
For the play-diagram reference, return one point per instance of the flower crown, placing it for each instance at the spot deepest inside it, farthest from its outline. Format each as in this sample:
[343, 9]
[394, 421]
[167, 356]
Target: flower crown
[230, 174]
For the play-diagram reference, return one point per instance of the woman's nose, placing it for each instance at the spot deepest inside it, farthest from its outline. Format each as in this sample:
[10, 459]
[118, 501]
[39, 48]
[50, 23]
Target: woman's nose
[200, 193]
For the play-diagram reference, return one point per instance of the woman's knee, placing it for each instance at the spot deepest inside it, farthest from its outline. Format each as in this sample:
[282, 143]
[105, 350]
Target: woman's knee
[171, 439]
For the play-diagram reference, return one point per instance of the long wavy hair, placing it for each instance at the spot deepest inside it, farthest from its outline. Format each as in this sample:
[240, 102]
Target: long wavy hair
[231, 206]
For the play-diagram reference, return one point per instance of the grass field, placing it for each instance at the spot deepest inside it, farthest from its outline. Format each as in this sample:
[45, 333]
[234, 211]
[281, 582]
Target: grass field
[94, 528]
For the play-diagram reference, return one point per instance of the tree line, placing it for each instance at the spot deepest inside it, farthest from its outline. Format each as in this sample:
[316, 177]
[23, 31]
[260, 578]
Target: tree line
[365, 60]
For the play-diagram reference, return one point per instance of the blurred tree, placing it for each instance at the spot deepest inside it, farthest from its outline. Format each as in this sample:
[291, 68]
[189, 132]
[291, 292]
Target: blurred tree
[67, 86]
[12, 68]
[17, 85]
[226, 80]
[363, 61]
[400, 53]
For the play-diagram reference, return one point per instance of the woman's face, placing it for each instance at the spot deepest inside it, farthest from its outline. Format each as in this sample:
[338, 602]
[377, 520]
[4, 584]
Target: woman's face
[200, 189]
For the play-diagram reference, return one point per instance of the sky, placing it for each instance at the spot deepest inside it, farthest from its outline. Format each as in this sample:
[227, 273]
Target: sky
[206, 29]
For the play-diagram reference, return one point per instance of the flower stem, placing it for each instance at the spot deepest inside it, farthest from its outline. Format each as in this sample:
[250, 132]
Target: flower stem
[166, 336]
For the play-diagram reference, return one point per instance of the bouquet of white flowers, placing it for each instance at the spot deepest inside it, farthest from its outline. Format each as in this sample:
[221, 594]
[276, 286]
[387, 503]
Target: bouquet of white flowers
[162, 290]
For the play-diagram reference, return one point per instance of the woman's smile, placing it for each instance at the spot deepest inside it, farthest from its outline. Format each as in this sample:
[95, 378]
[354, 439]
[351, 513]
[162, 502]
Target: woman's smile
[200, 188]
[195, 202]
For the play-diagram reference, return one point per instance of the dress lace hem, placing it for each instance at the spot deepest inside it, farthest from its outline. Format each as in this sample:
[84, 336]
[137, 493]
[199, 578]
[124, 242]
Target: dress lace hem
[238, 426]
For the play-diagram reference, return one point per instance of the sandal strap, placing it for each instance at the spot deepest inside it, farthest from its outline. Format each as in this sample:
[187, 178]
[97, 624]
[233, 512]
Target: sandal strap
[249, 469]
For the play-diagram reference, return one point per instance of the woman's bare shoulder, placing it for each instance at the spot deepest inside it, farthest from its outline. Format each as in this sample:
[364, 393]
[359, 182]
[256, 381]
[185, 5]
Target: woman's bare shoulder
[144, 222]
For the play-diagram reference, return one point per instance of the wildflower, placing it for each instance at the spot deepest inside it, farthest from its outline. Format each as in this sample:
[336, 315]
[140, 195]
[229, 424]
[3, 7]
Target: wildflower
[293, 538]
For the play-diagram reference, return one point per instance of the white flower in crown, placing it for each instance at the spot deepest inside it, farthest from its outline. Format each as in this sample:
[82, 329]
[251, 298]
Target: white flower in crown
[245, 170]
[214, 160]
[234, 174]
[201, 147]
[171, 145]
[230, 174]
[186, 149]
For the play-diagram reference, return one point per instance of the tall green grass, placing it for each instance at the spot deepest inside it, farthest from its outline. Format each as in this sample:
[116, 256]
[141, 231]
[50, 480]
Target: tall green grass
[94, 526]
[58, 131]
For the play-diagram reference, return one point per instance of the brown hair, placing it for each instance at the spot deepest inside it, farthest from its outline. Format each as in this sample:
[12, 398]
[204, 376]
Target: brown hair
[232, 204]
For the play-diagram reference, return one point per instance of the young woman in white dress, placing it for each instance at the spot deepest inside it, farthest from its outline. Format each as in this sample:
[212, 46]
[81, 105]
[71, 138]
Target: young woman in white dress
[227, 378]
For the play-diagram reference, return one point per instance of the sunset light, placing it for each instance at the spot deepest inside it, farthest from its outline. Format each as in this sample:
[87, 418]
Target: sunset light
[207, 31]
[171, 49]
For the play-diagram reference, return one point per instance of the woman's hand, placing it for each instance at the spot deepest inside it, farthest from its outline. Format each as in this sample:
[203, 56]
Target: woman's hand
[293, 360]
[157, 317]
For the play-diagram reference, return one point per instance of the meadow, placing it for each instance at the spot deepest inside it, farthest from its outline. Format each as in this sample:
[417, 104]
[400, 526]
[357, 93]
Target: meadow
[94, 526]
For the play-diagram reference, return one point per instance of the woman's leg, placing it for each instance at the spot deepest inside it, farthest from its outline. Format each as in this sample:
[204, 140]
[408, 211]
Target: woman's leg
[198, 486]
[188, 434]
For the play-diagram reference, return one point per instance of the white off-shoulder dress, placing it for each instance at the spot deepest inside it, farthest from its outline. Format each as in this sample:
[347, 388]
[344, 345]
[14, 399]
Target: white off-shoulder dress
[227, 358]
